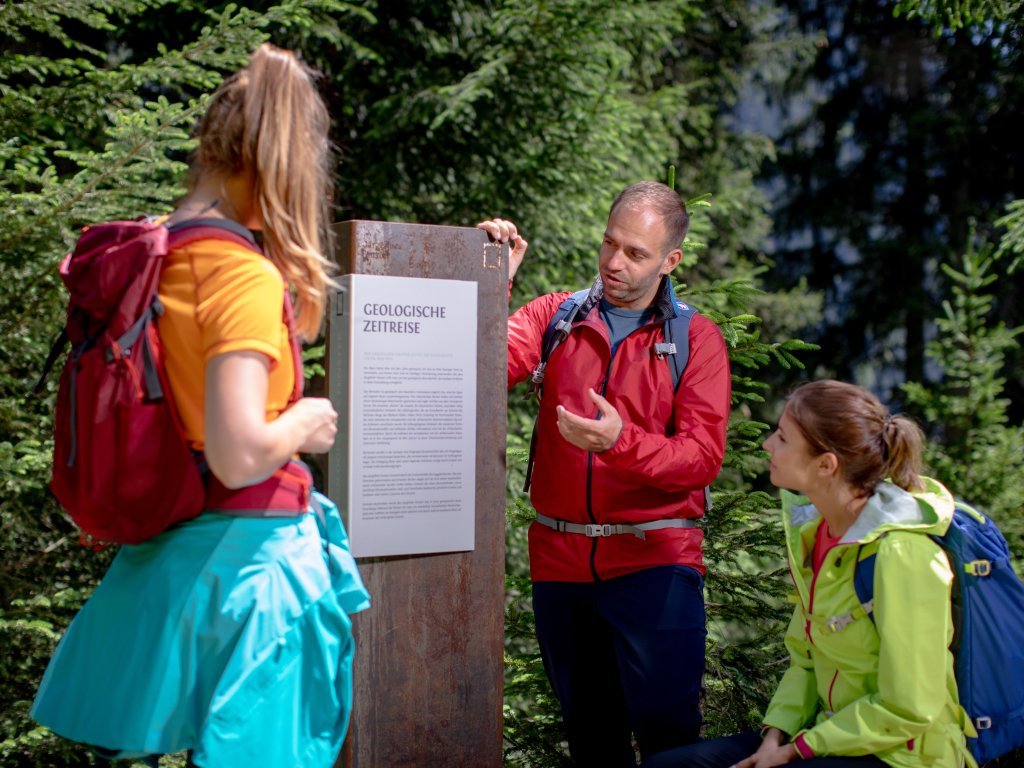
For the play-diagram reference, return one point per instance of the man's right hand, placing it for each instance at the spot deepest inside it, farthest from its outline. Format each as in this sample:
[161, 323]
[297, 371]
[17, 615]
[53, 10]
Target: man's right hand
[502, 231]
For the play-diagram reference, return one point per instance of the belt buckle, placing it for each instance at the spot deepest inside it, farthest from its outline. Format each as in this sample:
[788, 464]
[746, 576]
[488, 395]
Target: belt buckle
[596, 531]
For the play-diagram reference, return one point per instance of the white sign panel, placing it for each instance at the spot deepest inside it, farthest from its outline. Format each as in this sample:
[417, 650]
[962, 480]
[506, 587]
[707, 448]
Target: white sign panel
[412, 414]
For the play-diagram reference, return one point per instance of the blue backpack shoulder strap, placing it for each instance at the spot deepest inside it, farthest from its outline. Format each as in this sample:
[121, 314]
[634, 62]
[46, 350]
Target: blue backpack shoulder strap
[864, 578]
[564, 309]
[972, 543]
[677, 348]
[557, 331]
[677, 332]
[573, 308]
[677, 337]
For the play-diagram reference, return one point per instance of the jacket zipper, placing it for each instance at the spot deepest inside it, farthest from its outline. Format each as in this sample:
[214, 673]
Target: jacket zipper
[830, 687]
[814, 582]
[590, 478]
[590, 463]
[810, 605]
[807, 612]
[590, 454]
[590, 514]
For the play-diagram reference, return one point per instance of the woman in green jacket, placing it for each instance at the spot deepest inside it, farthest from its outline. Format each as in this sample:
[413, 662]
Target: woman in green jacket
[857, 693]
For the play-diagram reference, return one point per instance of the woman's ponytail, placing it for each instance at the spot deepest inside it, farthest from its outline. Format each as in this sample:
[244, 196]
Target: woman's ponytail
[286, 144]
[269, 119]
[902, 443]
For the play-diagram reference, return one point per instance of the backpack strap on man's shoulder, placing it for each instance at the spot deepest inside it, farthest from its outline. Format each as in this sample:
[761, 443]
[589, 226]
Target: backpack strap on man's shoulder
[560, 320]
[676, 348]
[677, 341]
[573, 309]
[560, 324]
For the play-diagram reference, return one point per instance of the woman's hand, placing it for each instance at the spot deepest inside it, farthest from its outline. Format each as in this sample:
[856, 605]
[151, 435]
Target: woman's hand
[772, 752]
[321, 423]
[502, 230]
[241, 446]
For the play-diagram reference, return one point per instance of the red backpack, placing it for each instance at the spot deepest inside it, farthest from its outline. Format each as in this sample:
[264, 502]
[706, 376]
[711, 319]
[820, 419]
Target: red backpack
[121, 465]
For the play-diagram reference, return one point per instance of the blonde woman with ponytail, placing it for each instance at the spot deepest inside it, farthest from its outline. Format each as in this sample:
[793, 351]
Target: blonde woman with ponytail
[857, 693]
[228, 635]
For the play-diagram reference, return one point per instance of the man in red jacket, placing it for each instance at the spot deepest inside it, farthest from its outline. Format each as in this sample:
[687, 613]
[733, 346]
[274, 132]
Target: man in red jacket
[622, 460]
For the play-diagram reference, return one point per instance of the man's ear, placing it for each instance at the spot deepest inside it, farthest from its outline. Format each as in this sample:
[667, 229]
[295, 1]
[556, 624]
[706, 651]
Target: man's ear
[828, 464]
[672, 260]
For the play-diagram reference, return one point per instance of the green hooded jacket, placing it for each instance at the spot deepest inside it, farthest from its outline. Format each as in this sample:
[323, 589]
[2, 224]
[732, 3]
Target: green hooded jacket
[887, 688]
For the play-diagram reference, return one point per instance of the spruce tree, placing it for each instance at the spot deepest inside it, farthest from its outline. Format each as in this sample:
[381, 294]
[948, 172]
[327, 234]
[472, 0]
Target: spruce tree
[891, 142]
[974, 448]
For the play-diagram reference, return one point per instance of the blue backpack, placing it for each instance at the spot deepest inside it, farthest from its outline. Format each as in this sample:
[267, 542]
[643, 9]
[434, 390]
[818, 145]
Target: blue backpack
[675, 348]
[988, 629]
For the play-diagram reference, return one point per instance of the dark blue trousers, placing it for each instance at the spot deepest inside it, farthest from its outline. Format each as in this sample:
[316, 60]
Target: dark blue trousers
[625, 657]
[721, 753]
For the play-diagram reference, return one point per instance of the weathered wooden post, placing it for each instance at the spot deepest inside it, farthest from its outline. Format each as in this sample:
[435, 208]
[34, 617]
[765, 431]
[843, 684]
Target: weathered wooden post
[428, 662]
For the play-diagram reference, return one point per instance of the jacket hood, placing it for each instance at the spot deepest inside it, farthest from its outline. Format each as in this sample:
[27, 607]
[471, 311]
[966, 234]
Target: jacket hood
[890, 508]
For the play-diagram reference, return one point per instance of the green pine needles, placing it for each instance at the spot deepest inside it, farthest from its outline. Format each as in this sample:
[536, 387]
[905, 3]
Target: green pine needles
[973, 448]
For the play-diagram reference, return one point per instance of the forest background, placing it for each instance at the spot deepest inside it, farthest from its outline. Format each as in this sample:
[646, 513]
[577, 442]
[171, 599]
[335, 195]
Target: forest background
[853, 169]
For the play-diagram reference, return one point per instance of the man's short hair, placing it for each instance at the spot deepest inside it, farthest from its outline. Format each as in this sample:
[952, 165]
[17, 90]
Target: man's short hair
[662, 200]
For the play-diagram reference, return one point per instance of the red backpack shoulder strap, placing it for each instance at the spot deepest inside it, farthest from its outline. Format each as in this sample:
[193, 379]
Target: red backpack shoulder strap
[293, 340]
[190, 230]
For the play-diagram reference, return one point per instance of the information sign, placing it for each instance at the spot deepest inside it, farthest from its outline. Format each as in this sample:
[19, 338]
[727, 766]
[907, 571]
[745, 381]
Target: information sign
[409, 345]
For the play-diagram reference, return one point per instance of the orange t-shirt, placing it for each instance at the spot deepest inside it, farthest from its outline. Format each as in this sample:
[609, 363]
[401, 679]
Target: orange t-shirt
[221, 297]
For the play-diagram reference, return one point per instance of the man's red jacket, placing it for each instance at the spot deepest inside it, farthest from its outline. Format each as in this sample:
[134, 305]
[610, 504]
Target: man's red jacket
[670, 448]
